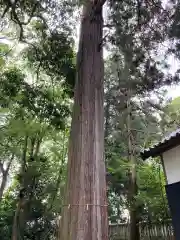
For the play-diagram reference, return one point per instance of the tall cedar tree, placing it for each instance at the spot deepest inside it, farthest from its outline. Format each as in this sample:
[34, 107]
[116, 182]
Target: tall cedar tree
[85, 208]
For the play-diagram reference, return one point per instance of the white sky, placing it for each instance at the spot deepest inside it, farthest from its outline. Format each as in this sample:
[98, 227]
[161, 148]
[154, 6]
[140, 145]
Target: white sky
[174, 91]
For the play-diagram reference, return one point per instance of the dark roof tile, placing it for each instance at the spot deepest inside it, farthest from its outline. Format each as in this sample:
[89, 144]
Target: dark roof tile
[168, 142]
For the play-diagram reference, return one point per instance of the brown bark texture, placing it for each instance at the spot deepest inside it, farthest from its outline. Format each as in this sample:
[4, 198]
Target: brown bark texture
[133, 189]
[19, 209]
[85, 207]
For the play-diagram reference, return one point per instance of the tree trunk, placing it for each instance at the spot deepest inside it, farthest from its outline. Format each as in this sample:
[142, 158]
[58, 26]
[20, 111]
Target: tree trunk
[107, 120]
[20, 204]
[5, 173]
[3, 184]
[134, 221]
[85, 208]
[15, 230]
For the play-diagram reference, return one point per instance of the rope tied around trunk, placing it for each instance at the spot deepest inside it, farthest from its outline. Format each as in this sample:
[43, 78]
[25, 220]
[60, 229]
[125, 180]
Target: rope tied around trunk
[87, 205]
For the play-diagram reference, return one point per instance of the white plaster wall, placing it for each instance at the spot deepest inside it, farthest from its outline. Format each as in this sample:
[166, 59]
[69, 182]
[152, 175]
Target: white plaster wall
[172, 164]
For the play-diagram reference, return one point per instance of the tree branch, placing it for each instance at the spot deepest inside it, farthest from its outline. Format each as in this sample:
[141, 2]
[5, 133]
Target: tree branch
[5, 54]
[10, 162]
[11, 6]
[32, 14]
[155, 106]
[2, 168]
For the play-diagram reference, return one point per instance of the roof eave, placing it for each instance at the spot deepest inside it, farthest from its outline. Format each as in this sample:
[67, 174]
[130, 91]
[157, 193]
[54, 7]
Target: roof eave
[159, 149]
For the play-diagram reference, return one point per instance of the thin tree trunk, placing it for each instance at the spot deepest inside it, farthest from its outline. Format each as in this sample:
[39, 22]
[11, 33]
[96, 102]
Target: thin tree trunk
[5, 173]
[23, 207]
[15, 223]
[134, 222]
[20, 204]
[107, 120]
[85, 207]
[3, 184]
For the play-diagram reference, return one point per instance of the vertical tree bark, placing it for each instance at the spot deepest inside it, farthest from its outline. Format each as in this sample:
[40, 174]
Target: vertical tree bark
[107, 120]
[15, 230]
[85, 209]
[5, 172]
[3, 183]
[24, 203]
[134, 221]
[20, 204]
